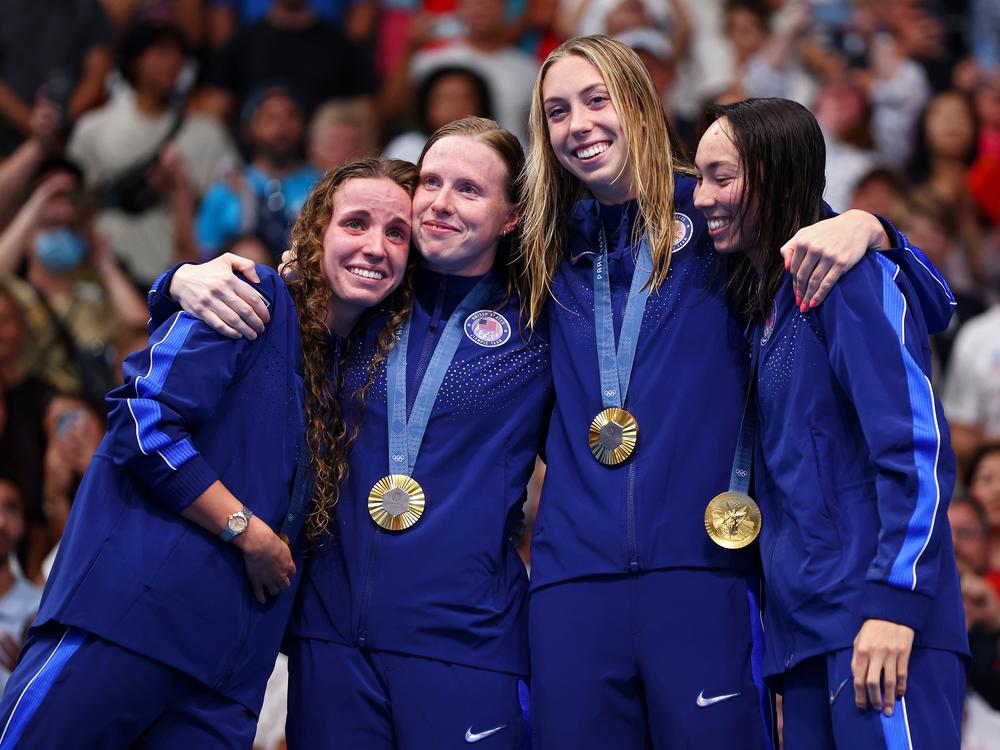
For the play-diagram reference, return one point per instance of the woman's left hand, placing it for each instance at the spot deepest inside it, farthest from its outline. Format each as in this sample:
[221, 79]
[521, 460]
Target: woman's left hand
[880, 664]
[818, 255]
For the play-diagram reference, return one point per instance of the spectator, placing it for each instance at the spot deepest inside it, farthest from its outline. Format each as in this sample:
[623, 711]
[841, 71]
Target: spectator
[267, 195]
[844, 115]
[879, 191]
[19, 597]
[933, 228]
[984, 487]
[61, 49]
[985, 172]
[17, 170]
[970, 534]
[22, 437]
[971, 397]
[482, 48]
[341, 131]
[291, 44]
[613, 17]
[75, 295]
[73, 432]
[187, 15]
[657, 54]
[250, 246]
[127, 150]
[225, 16]
[447, 94]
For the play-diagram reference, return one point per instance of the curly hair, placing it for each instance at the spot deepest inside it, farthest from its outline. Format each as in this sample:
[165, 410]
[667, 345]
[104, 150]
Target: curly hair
[327, 434]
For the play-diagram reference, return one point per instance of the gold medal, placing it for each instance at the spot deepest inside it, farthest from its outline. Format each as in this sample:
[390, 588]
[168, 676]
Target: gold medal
[732, 520]
[396, 502]
[613, 436]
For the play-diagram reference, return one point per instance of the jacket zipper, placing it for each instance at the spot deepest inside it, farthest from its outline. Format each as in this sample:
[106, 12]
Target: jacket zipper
[369, 585]
[633, 551]
[422, 363]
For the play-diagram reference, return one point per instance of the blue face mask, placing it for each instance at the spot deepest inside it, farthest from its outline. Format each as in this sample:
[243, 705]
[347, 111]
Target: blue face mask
[60, 250]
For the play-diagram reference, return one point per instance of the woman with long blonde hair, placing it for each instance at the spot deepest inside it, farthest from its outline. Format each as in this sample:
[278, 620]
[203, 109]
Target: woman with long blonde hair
[644, 575]
[172, 589]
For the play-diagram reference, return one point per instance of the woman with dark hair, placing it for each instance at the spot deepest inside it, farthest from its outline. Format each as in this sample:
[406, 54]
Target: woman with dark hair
[411, 621]
[447, 94]
[852, 467]
[171, 591]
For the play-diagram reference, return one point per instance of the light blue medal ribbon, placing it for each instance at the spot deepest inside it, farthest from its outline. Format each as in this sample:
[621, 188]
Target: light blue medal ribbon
[396, 502]
[732, 519]
[614, 432]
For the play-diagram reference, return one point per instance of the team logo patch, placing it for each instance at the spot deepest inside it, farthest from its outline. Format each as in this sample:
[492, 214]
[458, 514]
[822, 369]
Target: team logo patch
[487, 328]
[769, 324]
[683, 230]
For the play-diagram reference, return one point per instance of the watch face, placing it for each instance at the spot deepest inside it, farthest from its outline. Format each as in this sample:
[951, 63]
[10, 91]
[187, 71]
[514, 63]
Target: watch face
[237, 523]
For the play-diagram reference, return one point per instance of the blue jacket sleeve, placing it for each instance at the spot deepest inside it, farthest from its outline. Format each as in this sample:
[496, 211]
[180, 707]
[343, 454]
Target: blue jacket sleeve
[932, 292]
[171, 389]
[160, 304]
[879, 353]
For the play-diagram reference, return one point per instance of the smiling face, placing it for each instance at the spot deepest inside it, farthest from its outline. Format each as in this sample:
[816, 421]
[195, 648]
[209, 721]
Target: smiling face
[462, 206]
[719, 192]
[584, 130]
[365, 246]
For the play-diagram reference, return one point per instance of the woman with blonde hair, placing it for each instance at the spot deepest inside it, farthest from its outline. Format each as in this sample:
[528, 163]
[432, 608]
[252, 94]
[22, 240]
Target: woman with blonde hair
[411, 625]
[171, 591]
[644, 613]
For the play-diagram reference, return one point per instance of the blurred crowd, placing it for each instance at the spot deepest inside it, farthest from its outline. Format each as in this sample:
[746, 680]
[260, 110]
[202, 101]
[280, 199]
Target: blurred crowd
[135, 134]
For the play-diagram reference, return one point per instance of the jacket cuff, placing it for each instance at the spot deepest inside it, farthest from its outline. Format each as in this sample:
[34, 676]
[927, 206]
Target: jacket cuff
[186, 484]
[880, 601]
[896, 239]
[159, 302]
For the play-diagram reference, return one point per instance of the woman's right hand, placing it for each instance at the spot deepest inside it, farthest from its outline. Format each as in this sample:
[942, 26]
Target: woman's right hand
[214, 294]
[267, 559]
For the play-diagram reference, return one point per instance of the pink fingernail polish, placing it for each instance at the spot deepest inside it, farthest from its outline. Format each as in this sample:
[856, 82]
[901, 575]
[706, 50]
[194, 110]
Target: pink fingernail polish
[813, 303]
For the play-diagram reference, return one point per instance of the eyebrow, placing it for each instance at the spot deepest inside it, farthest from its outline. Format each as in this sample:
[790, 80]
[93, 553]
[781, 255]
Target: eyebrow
[583, 92]
[719, 163]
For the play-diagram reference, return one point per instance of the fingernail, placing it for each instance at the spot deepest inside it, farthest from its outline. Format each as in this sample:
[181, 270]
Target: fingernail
[812, 303]
[888, 710]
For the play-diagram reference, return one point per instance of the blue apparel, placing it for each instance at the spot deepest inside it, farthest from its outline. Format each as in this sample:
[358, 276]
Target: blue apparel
[379, 700]
[74, 690]
[248, 11]
[671, 636]
[196, 407]
[648, 513]
[452, 587]
[853, 472]
[223, 213]
[820, 713]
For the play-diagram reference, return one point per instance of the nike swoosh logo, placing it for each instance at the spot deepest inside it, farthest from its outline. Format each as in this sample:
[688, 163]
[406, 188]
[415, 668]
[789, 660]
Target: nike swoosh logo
[470, 737]
[835, 693]
[703, 701]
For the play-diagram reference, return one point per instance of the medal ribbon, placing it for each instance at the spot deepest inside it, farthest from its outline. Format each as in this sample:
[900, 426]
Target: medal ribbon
[739, 479]
[406, 435]
[616, 364]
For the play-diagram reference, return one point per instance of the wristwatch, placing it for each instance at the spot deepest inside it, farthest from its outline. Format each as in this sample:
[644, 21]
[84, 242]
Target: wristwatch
[236, 524]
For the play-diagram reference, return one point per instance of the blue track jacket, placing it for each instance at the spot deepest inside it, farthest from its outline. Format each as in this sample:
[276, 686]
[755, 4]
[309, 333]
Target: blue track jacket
[687, 393]
[853, 471]
[452, 587]
[196, 407]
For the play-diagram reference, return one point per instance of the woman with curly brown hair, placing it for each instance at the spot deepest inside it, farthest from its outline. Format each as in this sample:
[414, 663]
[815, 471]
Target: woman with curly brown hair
[172, 589]
[411, 621]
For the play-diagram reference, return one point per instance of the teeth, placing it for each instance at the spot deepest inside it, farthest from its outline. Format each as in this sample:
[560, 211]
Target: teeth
[717, 223]
[366, 274]
[591, 151]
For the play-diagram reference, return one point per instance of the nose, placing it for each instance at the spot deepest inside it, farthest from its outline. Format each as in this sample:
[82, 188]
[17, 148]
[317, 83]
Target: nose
[703, 197]
[442, 201]
[580, 121]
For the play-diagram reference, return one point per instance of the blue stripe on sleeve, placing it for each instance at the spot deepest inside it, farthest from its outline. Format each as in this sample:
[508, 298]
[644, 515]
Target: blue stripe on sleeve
[146, 410]
[38, 687]
[926, 440]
